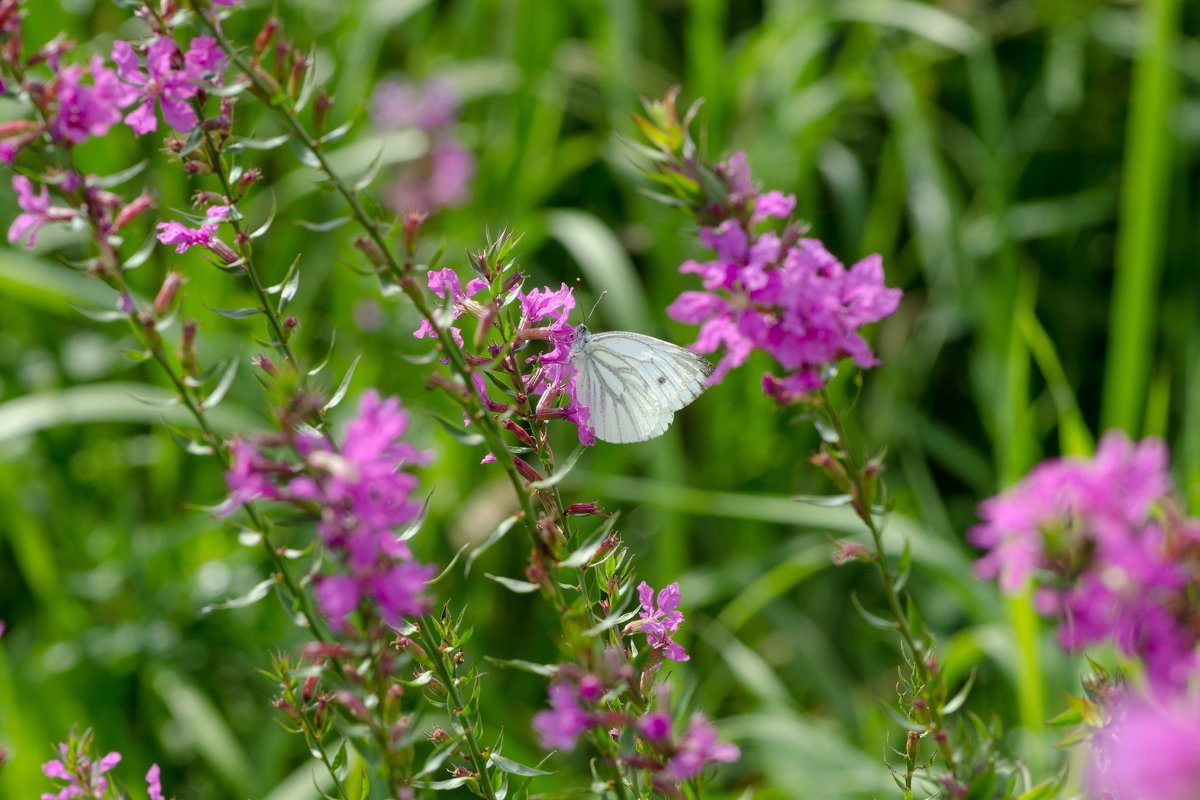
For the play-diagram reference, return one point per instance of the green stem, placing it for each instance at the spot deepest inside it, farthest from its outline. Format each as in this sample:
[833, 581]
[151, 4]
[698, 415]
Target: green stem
[460, 708]
[923, 673]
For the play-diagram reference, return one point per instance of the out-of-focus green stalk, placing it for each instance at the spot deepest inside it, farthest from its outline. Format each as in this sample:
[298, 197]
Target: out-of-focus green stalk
[1142, 220]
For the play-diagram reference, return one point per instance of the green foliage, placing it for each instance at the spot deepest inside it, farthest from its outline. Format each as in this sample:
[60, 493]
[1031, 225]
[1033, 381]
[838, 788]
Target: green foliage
[981, 155]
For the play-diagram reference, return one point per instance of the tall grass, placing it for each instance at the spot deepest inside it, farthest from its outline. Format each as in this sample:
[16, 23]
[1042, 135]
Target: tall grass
[1027, 172]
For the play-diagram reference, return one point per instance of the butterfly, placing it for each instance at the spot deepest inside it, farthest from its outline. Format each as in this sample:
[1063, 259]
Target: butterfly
[633, 384]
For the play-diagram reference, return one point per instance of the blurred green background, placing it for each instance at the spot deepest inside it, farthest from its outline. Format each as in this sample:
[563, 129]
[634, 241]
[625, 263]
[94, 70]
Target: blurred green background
[1028, 170]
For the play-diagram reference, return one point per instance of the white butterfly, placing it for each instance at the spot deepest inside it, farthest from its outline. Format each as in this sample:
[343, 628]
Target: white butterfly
[633, 384]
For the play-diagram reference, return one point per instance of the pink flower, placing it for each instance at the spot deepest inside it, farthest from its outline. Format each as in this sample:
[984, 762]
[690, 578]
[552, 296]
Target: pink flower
[185, 238]
[1151, 753]
[204, 59]
[84, 110]
[698, 748]
[660, 623]
[162, 82]
[37, 212]
[796, 302]
[154, 783]
[560, 725]
[364, 494]
[1105, 560]
[84, 777]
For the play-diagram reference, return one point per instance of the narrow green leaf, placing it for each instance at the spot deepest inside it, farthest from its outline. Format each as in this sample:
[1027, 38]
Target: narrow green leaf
[193, 141]
[260, 590]
[824, 500]
[545, 670]
[218, 394]
[415, 526]
[460, 435]
[312, 373]
[142, 255]
[872, 620]
[337, 133]
[117, 178]
[306, 157]
[239, 145]
[261, 230]
[323, 227]
[343, 387]
[562, 471]
[960, 697]
[519, 587]
[903, 569]
[99, 314]
[496, 535]
[372, 170]
[235, 313]
[512, 767]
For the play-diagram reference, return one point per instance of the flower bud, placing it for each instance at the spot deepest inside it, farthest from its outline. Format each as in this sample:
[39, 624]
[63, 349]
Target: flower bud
[527, 472]
[321, 105]
[849, 551]
[412, 230]
[265, 364]
[268, 31]
[143, 202]
[517, 431]
[371, 250]
[187, 348]
[248, 178]
[166, 293]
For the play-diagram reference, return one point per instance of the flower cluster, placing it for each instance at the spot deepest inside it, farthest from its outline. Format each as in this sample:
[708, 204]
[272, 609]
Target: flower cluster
[1110, 552]
[1147, 750]
[442, 178]
[204, 235]
[778, 293]
[79, 773]
[576, 708]
[546, 376]
[591, 699]
[363, 496]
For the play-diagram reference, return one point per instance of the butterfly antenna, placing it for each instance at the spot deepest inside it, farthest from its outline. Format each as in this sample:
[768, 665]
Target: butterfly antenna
[598, 299]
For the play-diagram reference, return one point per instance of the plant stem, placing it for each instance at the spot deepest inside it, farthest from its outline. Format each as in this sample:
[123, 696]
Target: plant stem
[887, 576]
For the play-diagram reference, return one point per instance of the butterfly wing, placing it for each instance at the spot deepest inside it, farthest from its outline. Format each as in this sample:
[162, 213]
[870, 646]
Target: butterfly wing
[634, 384]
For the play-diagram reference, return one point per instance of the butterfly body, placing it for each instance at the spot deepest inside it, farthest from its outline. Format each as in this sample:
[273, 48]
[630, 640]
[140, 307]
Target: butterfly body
[633, 384]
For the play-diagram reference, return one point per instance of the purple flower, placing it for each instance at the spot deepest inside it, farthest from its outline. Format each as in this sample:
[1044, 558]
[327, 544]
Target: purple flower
[185, 238]
[655, 726]
[162, 82]
[560, 725]
[660, 622]
[446, 285]
[84, 777]
[796, 302]
[698, 748]
[154, 783]
[403, 104]
[1152, 751]
[364, 496]
[37, 212]
[84, 110]
[1105, 560]
[204, 59]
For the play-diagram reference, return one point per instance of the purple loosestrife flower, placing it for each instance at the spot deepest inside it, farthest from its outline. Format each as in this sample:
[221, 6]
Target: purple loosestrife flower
[442, 178]
[1109, 553]
[37, 211]
[84, 110]
[364, 496]
[154, 783]
[185, 238]
[698, 748]
[794, 301]
[660, 622]
[560, 725]
[83, 776]
[446, 285]
[1151, 752]
[161, 82]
